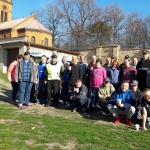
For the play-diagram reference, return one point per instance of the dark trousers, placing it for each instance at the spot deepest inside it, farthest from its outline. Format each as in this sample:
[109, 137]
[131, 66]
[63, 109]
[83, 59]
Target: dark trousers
[53, 86]
[32, 98]
[116, 85]
[94, 95]
[104, 106]
[15, 89]
[65, 92]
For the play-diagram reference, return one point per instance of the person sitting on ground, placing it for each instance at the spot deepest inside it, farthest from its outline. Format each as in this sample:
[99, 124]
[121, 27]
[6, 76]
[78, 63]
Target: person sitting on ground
[138, 96]
[122, 102]
[145, 104]
[96, 79]
[104, 92]
[78, 96]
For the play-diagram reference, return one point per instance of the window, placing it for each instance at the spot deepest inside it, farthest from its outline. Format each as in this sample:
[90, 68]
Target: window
[46, 42]
[32, 39]
[4, 13]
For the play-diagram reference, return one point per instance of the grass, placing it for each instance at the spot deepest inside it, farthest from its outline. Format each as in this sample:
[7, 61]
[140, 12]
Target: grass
[3, 76]
[79, 133]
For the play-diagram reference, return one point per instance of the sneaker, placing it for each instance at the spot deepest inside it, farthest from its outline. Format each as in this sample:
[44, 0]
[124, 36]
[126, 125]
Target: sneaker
[63, 103]
[20, 106]
[93, 105]
[29, 105]
[74, 110]
[117, 120]
[128, 122]
[99, 107]
[67, 105]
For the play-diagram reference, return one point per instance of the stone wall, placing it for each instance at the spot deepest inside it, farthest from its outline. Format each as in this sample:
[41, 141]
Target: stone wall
[112, 51]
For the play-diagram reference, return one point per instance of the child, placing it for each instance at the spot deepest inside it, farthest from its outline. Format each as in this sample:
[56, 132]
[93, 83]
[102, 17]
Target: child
[97, 76]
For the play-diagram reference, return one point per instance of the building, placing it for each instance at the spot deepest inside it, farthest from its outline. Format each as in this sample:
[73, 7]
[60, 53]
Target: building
[20, 35]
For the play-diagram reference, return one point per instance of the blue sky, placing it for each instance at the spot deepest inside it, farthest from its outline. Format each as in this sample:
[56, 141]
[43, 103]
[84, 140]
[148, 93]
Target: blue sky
[22, 8]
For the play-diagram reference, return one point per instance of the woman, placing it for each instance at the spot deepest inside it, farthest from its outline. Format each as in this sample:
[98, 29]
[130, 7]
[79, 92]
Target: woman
[11, 72]
[114, 74]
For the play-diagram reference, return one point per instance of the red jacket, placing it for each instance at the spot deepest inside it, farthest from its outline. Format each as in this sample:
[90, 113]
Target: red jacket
[11, 70]
[128, 73]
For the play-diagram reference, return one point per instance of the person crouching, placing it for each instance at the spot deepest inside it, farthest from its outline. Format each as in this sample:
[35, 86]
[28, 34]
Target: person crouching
[78, 96]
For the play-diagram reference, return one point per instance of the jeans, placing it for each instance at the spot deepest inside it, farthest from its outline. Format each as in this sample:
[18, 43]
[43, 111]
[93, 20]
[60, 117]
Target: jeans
[15, 89]
[24, 92]
[94, 95]
[65, 91]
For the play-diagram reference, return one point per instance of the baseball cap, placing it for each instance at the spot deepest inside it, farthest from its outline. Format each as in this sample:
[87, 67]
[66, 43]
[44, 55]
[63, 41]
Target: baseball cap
[145, 52]
[54, 56]
[134, 82]
[106, 79]
[126, 57]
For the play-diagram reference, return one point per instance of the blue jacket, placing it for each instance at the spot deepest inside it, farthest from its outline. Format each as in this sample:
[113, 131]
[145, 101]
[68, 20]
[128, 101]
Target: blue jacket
[114, 75]
[126, 97]
[41, 69]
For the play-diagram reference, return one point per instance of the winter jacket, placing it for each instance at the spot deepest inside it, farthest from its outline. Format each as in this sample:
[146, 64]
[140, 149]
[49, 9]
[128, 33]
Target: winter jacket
[127, 97]
[142, 68]
[97, 76]
[105, 91]
[114, 75]
[19, 71]
[128, 73]
[138, 96]
[82, 94]
[84, 67]
[41, 71]
[75, 73]
[11, 70]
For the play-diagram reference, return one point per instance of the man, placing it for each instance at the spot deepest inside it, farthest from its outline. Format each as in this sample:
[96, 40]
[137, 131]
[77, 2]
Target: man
[122, 102]
[142, 68]
[107, 65]
[145, 103]
[84, 67]
[78, 96]
[52, 79]
[25, 75]
[128, 72]
[74, 72]
[88, 71]
[138, 95]
[104, 92]
[11, 74]
[42, 89]
[134, 62]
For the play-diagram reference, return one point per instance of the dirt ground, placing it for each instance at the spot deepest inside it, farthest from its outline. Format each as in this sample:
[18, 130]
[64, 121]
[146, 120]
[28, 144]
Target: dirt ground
[61, 111]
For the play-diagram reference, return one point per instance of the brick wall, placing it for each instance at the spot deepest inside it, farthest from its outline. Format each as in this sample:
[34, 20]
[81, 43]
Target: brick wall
[112, 51]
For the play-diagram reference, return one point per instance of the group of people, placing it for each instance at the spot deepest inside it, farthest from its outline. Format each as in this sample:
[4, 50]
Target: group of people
[116, 89]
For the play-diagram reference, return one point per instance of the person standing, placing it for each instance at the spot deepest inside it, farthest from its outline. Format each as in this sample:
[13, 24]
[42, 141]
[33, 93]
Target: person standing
[25, 75]
[96, 79]
[107, 65]
[134, 62]
[42, 89]
[90, 67]
[11, 74]
[84, 67]
[113, 74]
[74, 72]
[142, 68]
[128, 72]
[52, 79]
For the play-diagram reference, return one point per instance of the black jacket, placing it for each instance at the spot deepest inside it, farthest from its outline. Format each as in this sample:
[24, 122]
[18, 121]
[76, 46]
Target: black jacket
[82, 94]
[142, 67]
[138, 96]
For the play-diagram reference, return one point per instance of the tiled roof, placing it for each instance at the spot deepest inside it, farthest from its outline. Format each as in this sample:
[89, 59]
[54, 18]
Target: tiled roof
[11, 24]
[35, 25]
